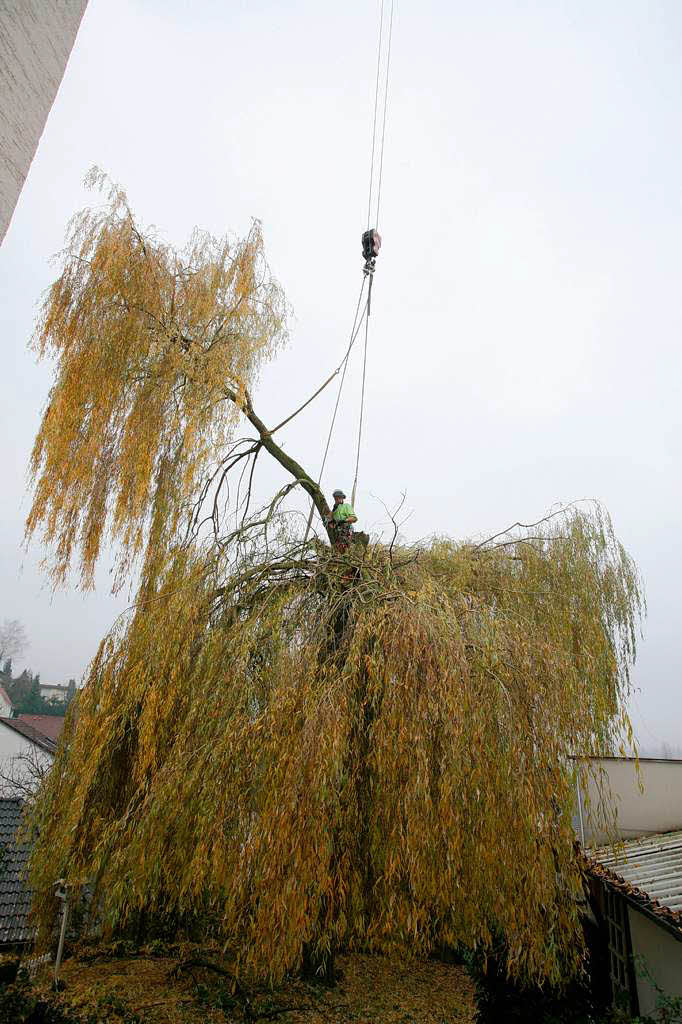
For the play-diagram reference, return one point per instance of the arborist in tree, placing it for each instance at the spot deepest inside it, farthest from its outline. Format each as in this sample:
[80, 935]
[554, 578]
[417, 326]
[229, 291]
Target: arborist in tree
[341, 521]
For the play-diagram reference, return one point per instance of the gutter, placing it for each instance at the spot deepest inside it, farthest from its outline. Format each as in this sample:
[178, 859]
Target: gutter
[637, 899]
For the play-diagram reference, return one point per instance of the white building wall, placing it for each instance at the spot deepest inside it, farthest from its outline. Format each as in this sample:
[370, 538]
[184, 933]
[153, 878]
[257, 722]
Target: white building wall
[655, 807]
[51, 692]
[657, 953]
[36, 38]
[13, 749]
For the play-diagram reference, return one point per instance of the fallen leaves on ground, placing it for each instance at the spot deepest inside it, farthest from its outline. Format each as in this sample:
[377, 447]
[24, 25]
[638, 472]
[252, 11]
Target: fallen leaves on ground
[370, 990]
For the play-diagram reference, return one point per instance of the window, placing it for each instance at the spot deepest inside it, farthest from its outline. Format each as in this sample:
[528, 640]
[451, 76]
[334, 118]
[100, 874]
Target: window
[620, 952]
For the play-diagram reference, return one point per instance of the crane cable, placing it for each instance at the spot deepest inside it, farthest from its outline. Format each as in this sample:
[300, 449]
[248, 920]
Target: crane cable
[383, 127]
[376, 222]
[374, 122]
[367, 308]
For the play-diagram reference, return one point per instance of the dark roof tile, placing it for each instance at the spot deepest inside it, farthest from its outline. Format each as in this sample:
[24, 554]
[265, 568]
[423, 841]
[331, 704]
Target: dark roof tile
[15, 896]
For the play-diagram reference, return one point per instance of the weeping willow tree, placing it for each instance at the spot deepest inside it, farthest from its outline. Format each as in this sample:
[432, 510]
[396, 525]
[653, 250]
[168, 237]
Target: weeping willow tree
[315, 750]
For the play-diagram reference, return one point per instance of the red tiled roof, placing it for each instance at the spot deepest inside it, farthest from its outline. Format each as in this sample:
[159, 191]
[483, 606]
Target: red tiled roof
[50, 725]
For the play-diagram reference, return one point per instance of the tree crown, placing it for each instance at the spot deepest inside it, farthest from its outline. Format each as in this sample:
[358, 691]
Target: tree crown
[156, 348]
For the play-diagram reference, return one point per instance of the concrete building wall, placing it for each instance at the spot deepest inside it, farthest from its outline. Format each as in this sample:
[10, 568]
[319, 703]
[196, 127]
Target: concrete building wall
[36, 38]
[657, 954]
[656, 807]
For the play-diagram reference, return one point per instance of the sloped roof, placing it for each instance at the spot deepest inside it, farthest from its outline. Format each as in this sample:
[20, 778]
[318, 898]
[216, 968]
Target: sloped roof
[49, 725]
[648, 871]
[15, 898]
[27, 730]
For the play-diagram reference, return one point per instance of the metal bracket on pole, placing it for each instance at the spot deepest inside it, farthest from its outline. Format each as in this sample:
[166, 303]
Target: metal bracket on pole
[61, 894]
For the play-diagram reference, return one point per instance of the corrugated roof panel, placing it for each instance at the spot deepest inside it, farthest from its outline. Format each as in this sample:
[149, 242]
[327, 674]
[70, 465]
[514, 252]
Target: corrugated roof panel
[652, 864]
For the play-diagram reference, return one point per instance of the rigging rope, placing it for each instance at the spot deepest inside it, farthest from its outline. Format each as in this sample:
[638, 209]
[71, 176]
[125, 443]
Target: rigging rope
[353, 335]
[362, 398]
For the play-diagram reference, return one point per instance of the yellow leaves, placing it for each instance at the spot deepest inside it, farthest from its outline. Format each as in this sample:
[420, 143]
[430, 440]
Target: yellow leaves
[382, 759]
[146, 340]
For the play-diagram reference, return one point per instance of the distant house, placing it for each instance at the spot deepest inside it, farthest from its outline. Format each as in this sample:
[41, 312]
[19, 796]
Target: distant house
[6, 706]
[15, 897]
[55, 692]
[636, 882]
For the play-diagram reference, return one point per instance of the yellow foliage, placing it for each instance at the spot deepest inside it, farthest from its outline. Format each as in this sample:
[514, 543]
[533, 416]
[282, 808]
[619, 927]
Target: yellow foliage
[379, 763]
[370, 752]
[152, 344]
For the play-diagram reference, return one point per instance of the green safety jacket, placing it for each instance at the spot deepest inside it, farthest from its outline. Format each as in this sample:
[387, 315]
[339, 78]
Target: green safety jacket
[341, 512]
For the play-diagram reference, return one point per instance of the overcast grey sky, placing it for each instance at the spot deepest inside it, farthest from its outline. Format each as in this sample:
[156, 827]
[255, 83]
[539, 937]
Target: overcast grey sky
[525, 345]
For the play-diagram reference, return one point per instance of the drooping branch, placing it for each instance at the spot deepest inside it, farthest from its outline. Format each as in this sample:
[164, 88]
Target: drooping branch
[524, 526]
[305, 748]
[146, 340]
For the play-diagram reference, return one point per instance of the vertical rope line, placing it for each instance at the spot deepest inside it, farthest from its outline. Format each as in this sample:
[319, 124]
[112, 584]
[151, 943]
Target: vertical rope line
[366, 312]
[383, 131]
[354, 332]
[374, 126]
[338, 396]
[362, 397]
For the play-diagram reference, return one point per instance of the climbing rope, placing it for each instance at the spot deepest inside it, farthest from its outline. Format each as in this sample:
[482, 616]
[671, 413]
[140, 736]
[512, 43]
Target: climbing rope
[353, 335]
[362, 397]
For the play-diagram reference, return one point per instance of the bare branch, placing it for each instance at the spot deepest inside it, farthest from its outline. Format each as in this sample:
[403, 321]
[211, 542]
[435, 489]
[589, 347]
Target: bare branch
[23, 773]
[528, 526]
